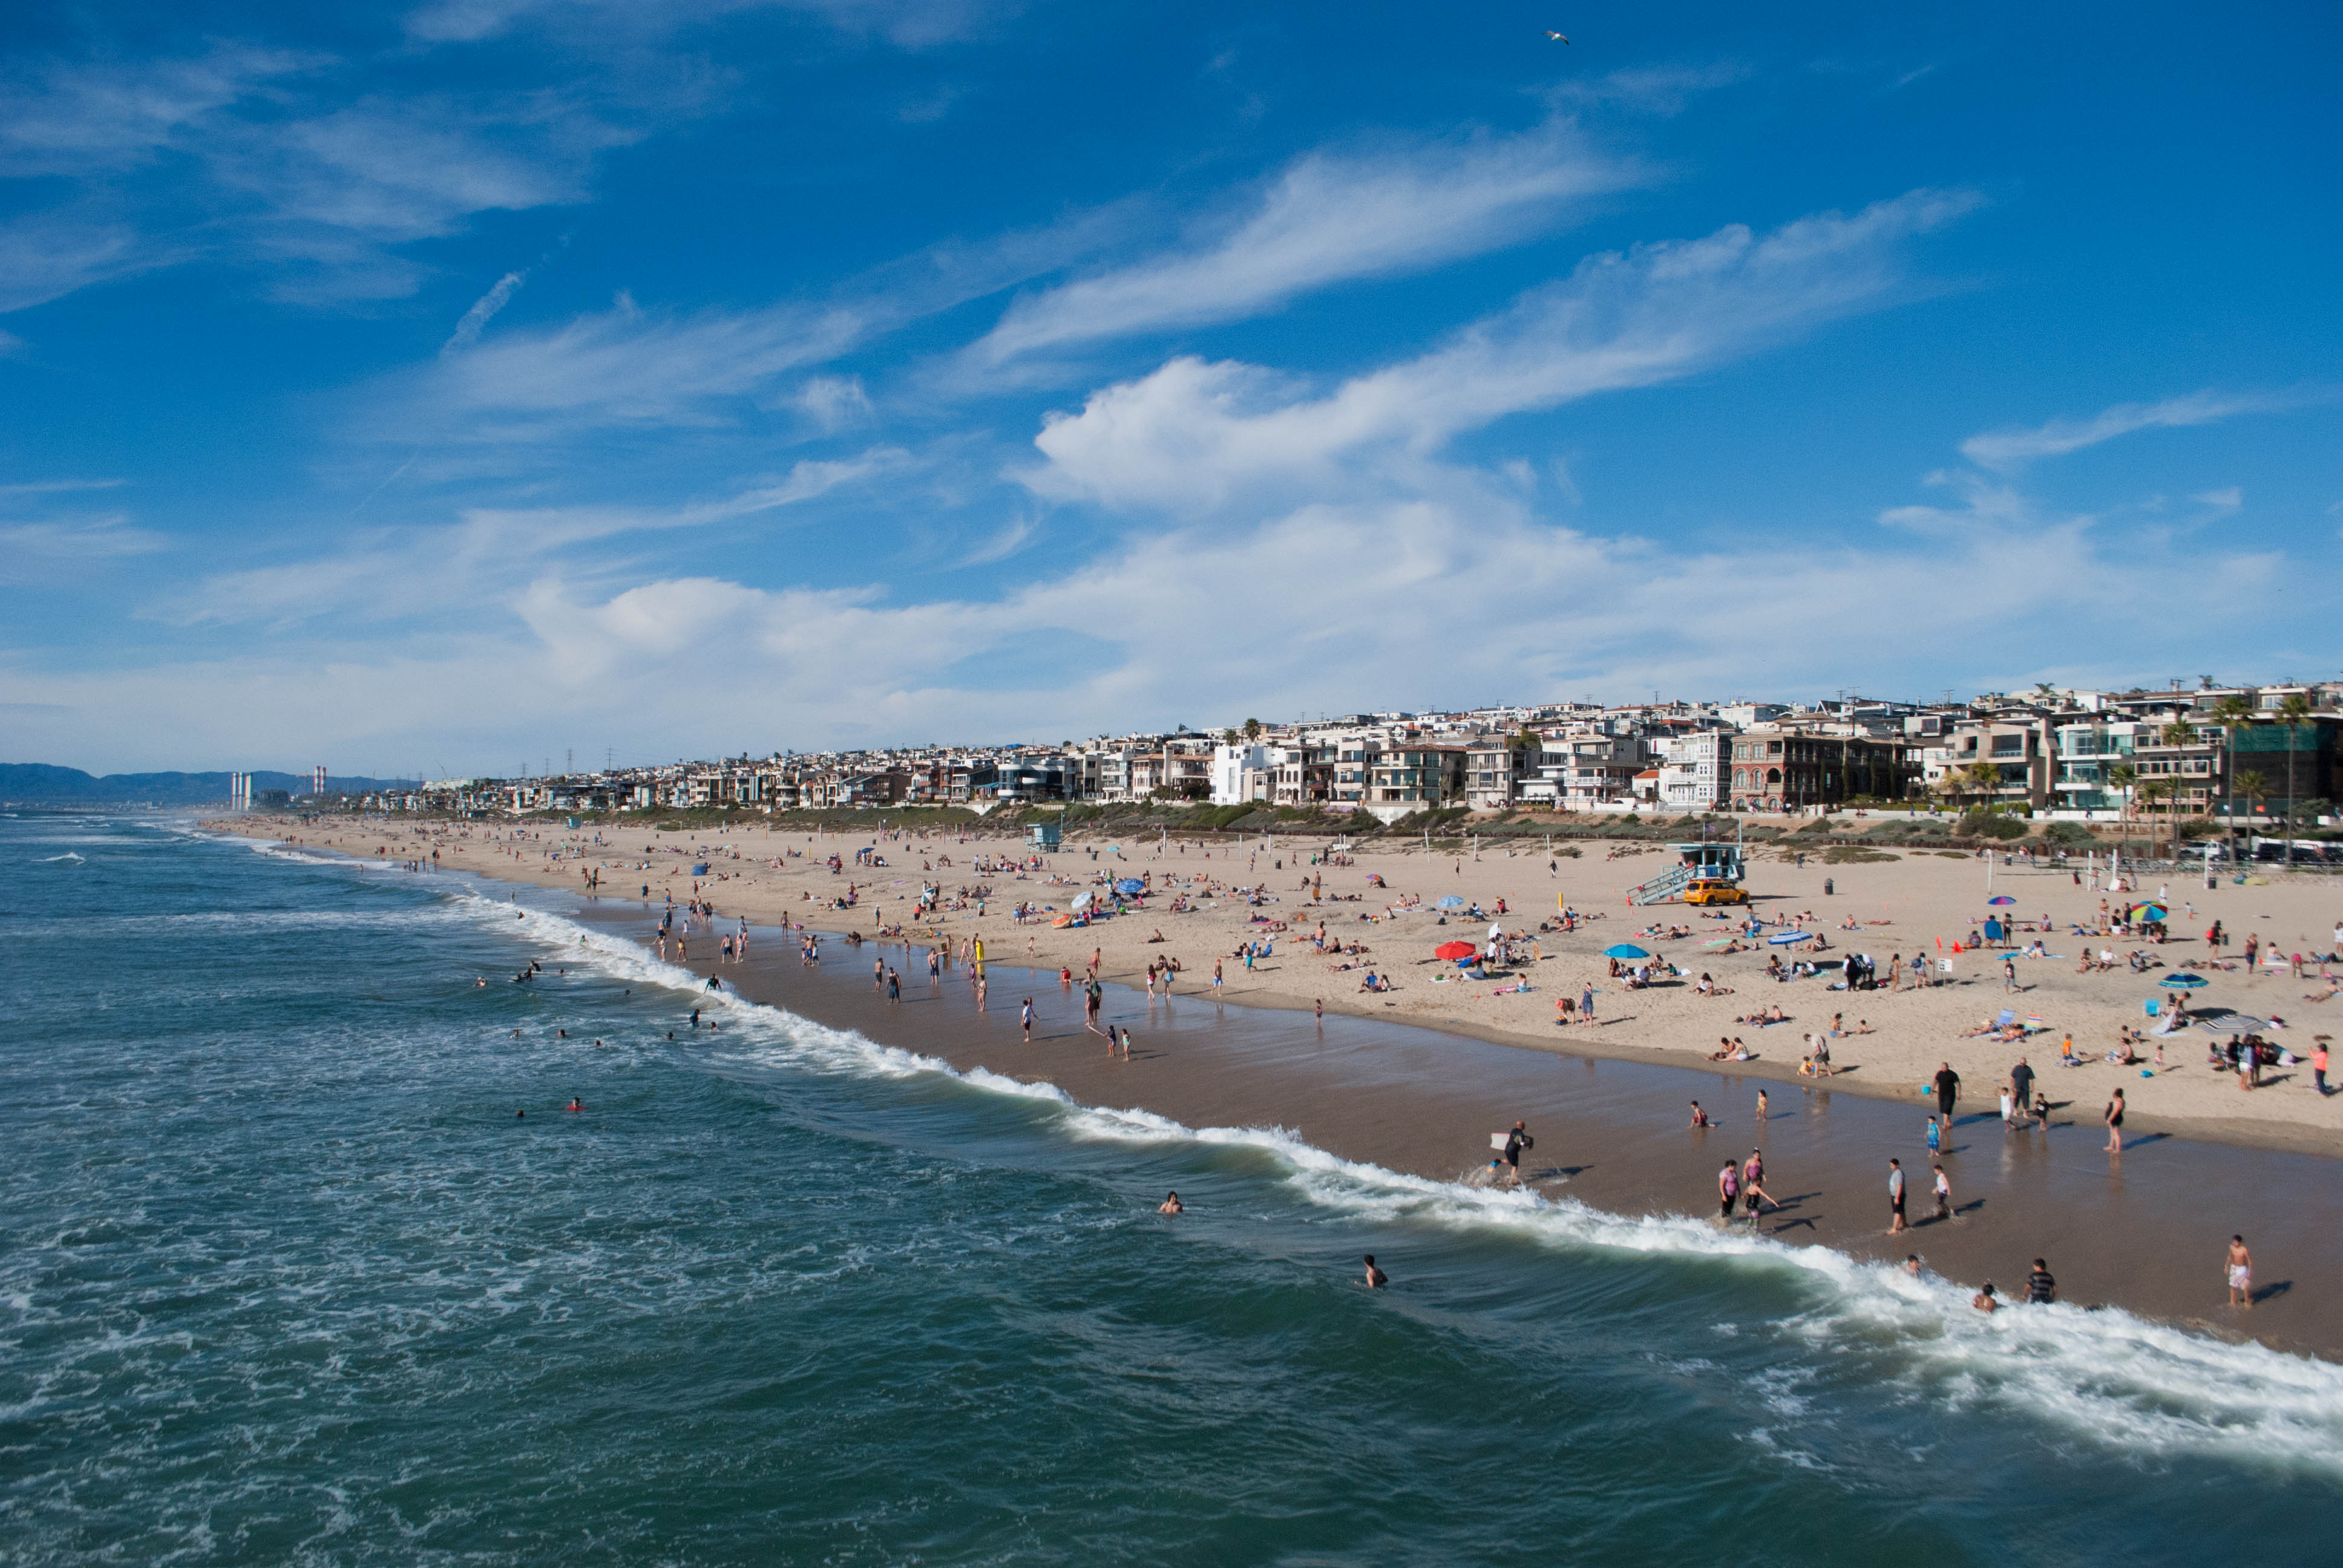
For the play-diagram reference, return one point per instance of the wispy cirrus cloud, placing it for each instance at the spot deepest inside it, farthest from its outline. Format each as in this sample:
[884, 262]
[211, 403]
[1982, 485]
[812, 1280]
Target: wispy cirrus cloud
[483, 310]
[629, 365]
[2005, 449]
[1193, 433]
[909, 24]
[1326, 218]
[389, 574]
[269, 158]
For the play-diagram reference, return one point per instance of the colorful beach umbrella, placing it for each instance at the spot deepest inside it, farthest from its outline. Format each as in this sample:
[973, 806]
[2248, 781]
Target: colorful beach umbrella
[2148, 911]
[1624, 950]
[1454, 950]
[2001, 899]
[2182, 982]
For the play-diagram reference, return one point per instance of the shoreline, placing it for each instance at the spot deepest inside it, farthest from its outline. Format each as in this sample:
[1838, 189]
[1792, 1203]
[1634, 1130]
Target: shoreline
[1421, 1101]
[1915, 1029]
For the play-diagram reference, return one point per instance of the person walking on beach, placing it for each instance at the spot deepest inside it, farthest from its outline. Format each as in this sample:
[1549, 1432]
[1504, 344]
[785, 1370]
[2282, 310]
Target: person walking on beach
[1944, 1194]
[1896, 1195]
[1728, 1192]
[2041, 1288]
[2009, 976]
[2317, 1063]
[894, 985]
[1948, 1089]
[2021, 1090]
[1516, 1142]
[2239, 1264]
[1753, 1187]
[2113, 1117]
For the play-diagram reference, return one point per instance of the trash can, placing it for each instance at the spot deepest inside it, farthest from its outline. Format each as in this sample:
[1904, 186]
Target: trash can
[1827, 887]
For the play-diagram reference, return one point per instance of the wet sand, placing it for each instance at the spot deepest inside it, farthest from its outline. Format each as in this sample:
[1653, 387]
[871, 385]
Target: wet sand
[2145, 1231]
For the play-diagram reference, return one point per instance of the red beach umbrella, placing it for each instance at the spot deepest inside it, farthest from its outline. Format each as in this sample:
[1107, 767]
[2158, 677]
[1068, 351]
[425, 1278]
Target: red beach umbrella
[1454, 950]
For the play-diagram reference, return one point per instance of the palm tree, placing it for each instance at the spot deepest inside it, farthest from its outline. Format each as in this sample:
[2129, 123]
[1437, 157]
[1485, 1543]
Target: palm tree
[2151, 793]
[2123, 776]
[2295, 710]
[2232, 713]
[1980, 779]
[2255, 787]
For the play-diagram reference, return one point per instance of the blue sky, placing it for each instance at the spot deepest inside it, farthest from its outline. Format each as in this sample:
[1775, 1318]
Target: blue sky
[466, 383]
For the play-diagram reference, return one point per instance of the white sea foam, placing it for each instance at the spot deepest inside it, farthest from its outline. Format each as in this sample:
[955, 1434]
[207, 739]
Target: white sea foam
[68, 855]
[2136, 1385]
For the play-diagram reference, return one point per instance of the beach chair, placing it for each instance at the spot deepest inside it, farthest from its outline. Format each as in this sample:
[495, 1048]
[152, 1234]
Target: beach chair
[2007, 1017]
[2153, 1009]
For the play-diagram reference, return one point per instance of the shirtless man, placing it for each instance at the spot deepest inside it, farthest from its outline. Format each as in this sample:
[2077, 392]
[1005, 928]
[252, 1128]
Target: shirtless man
[1171, 1205]
[2241, 1266]
[1376, 1278]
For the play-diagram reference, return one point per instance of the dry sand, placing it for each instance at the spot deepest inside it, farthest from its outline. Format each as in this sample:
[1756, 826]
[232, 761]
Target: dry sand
[1908, 906]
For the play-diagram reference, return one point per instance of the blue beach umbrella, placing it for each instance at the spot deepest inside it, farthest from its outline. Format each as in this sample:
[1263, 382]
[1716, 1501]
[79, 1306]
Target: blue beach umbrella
[1786, 937]
[699, 871]
[1131, 885]
[1625, 950]
[2001, 899]
[1451, 902]
[2183, 982]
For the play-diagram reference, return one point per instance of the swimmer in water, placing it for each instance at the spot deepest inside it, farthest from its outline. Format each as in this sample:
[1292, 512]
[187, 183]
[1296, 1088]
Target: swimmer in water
[1171, 1205]
[1376, 1278]
[575, 1104]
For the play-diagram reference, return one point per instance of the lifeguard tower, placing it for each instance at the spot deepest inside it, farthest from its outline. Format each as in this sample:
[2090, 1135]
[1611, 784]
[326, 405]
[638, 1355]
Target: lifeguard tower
[1695, 863]
[1041, 836]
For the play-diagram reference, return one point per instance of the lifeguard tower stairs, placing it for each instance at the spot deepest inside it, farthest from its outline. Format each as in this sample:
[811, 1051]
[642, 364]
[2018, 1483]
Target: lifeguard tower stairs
[1695, 863]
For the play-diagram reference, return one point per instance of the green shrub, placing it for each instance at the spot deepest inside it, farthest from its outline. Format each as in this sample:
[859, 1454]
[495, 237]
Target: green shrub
[1988, 823]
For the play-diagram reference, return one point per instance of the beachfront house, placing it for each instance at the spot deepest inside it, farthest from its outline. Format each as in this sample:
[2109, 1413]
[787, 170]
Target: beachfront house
[1694, 770]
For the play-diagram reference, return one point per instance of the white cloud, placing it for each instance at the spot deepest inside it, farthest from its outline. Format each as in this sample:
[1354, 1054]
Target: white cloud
[2005, 449]
[2223, 501]
[834, 402]
[909, 24]
[1193, 433]
[389, 574]
[47, 255]
[629, 365]
[61, 550]
[72, 121]
[259, 157]
[1653, 89]
[483, 311]
[1322, 608]
[1326, 220]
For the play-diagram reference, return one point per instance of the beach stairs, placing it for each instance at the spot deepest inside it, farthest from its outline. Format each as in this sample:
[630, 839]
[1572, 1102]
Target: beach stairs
[1669, 884]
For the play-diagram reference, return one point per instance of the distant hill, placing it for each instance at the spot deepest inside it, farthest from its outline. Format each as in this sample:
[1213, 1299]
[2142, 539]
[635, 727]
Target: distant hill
[39, 784]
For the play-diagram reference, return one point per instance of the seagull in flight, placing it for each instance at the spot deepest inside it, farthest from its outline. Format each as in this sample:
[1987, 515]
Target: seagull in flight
[1556, 36]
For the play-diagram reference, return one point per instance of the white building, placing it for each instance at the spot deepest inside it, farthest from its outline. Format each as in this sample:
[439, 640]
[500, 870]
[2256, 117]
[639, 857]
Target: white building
[1241, 773]
[1694, 771]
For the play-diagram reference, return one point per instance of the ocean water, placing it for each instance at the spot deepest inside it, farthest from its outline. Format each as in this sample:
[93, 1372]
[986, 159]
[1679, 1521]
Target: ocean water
[283, 1278]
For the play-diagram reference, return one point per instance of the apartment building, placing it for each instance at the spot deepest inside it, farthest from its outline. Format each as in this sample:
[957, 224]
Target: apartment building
[1694, 771]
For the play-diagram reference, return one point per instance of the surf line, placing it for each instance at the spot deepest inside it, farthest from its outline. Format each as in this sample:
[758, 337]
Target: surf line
[2125, 1381]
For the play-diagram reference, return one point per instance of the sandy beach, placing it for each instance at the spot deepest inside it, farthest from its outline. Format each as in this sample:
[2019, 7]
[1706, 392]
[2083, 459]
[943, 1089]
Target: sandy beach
[1383, 902]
